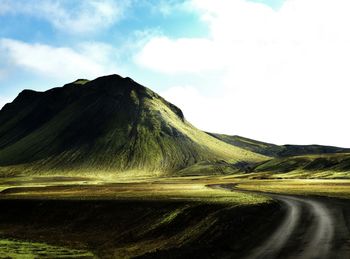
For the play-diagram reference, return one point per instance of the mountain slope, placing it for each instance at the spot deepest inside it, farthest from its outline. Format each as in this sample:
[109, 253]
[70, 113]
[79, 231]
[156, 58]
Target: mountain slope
[108, 124]
[250, 144]
[334, 166]
[276, 150]
[292, 161]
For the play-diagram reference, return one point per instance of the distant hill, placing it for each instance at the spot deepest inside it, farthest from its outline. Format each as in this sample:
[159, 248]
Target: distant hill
[333, 166]
[276, 150]
[108, 124]
[332, 162]
[292, 161]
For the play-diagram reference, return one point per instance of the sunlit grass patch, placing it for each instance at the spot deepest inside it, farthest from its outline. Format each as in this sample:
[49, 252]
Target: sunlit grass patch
[138, 191]
[10, 248]
[332, 188]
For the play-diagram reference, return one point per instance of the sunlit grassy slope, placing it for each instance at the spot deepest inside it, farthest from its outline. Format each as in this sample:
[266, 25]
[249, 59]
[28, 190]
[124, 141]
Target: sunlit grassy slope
[331, 166]
[290, 161]
[111, 124]
[276, 150]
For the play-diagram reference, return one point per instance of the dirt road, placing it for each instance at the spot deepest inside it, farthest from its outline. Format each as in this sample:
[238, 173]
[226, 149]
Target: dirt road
[312, 228]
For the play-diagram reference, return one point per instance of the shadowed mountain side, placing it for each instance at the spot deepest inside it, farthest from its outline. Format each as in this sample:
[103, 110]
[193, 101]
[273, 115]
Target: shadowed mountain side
[110, 124]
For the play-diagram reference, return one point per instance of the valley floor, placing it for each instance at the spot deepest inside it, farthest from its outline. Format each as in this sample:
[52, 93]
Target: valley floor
[172, 217]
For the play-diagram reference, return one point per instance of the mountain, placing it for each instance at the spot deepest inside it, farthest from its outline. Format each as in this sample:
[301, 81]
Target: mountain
[332, 162]
[276, 150]
[333, 166]
[249, 144]
[292, 161]
[110, 124]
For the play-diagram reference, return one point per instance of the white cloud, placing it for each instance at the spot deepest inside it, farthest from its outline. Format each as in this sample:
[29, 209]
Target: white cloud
[183, 55]
[285, 72]
[88, 61]
[69, 16]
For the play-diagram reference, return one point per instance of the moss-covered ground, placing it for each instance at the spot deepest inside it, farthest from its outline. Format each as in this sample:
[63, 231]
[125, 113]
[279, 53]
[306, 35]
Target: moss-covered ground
[11, 248]
[147, 217]
[330, 188]
[127, 219]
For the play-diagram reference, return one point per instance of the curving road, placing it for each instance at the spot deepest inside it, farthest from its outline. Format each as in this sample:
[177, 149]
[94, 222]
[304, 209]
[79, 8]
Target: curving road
[312, 228]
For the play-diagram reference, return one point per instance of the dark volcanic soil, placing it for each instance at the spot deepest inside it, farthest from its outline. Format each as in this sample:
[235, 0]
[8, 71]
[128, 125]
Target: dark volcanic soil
[293, 227]
[115, 229]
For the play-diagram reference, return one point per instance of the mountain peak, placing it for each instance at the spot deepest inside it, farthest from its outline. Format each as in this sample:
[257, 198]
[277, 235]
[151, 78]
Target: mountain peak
[110, 123]
[111, 80]
[110, 77]
[114, 78]
[27, 95]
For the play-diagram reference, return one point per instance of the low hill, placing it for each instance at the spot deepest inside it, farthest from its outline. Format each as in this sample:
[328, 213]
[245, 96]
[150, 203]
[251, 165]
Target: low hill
[306, 166]
[109, 124]
[287, 161]
[276, 150]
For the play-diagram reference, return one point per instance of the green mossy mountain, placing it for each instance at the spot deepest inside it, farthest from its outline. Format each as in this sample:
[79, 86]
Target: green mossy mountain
[107, 124]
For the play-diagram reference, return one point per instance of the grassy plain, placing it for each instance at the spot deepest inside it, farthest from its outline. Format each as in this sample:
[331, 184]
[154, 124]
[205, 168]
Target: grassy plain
[10, 248]
[324, 187]
[147, 217]
[127, 219]
[185, 189]
[190, 188]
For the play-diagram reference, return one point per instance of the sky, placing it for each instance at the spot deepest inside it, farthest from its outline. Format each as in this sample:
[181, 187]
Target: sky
[271, 70]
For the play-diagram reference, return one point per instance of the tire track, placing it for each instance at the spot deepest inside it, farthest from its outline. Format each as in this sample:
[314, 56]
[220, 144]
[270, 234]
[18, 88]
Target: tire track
[312, 228]
[316, 238]
[272, 247]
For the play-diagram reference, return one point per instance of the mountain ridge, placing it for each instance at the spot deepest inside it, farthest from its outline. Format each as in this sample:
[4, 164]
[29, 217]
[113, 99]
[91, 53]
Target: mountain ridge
[107, 124]
[280, 151]
[115, 125]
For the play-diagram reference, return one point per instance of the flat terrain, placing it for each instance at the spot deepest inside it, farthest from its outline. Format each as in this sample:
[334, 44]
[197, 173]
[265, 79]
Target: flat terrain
[325, 187]
[118, 220]
[209, 217]
[122, 229]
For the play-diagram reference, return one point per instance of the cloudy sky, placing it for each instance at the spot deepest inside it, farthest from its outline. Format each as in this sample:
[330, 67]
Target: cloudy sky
[272, 70]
